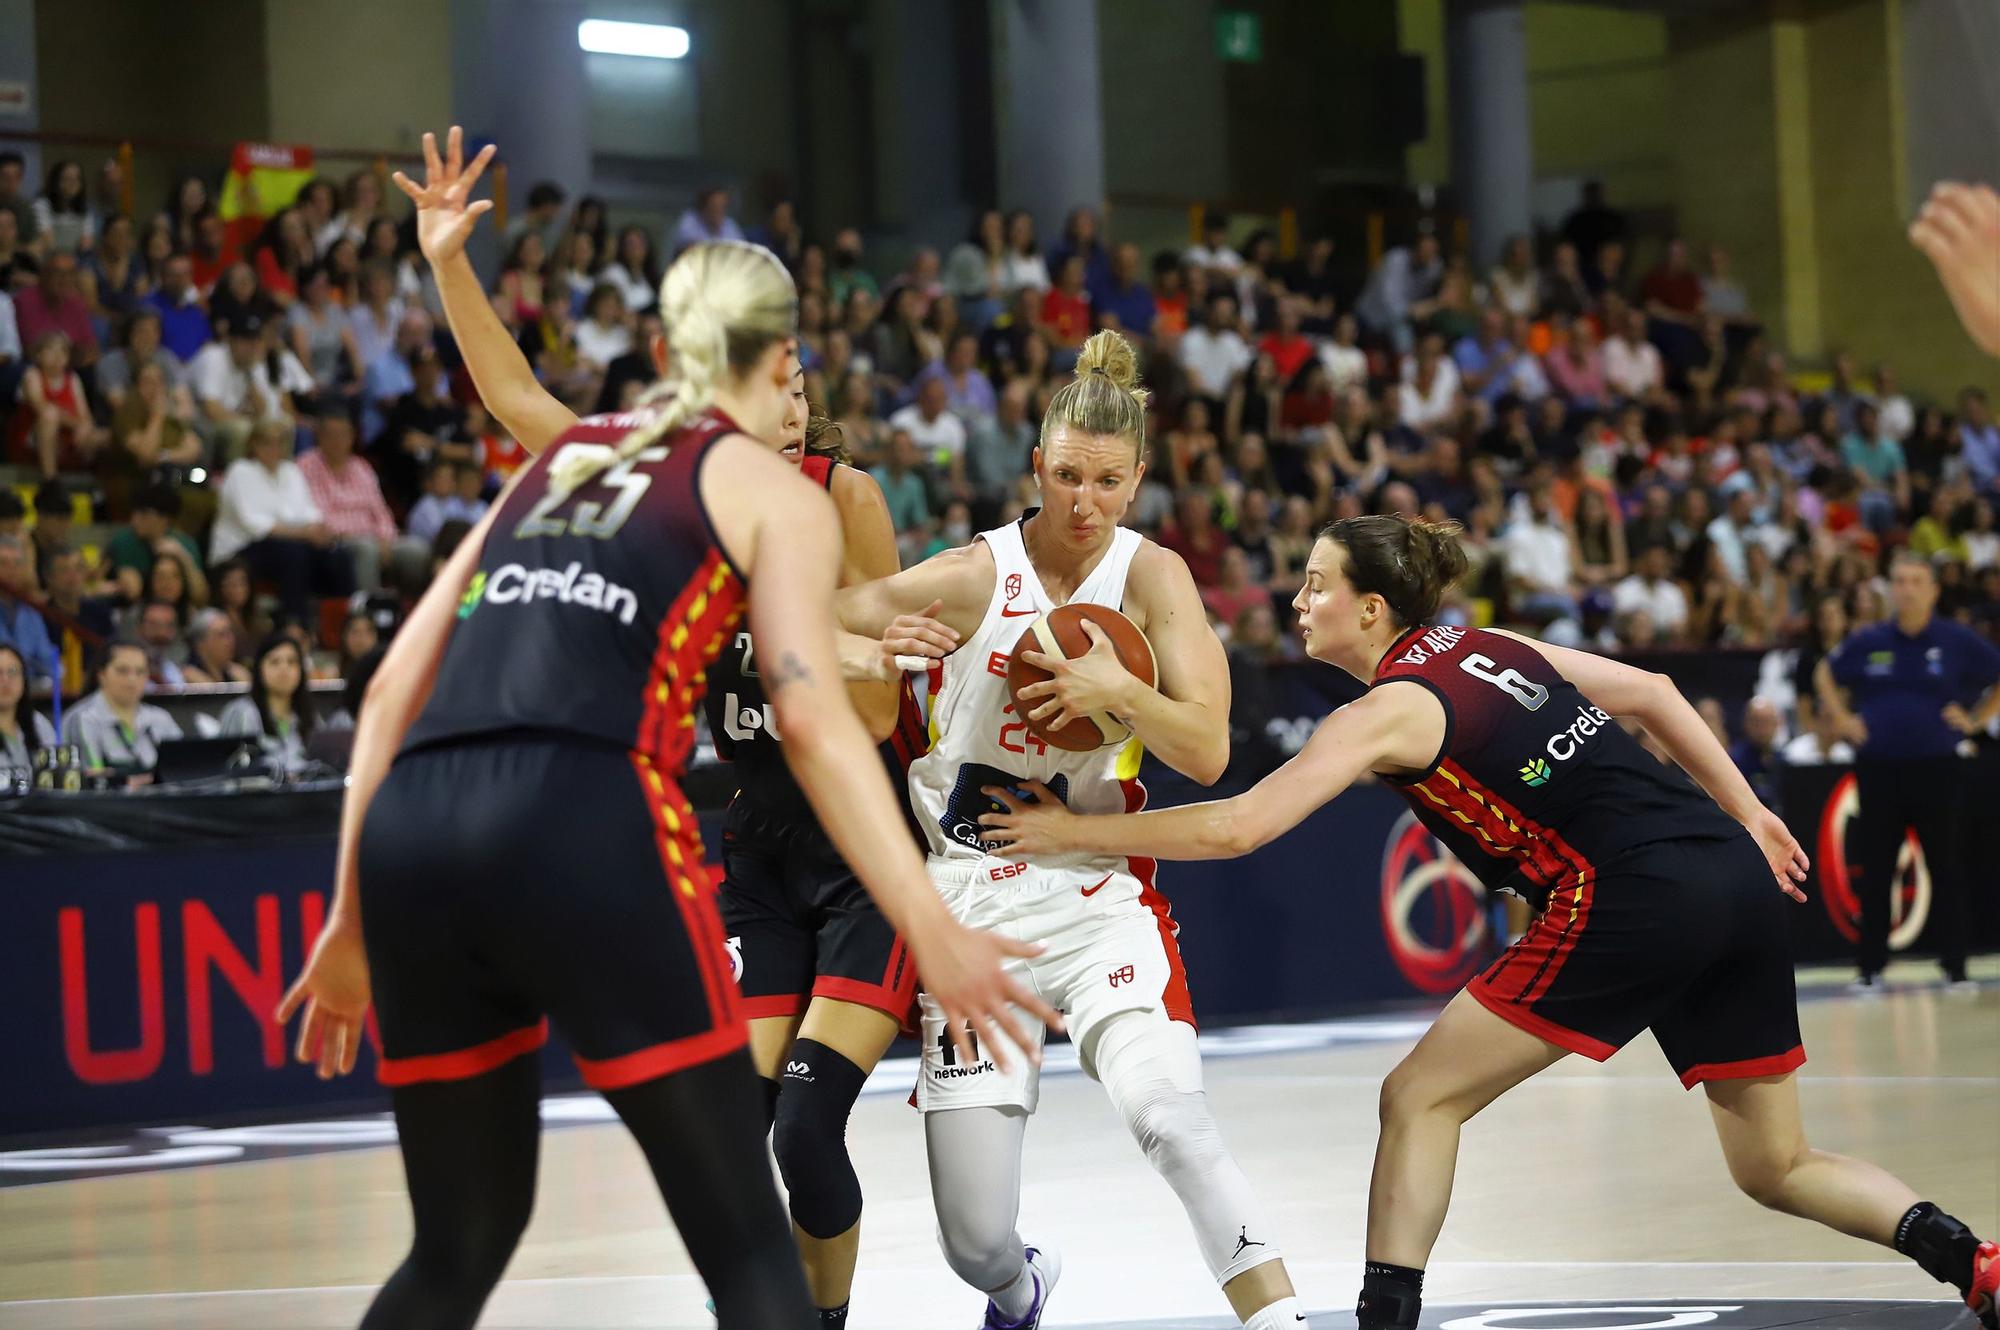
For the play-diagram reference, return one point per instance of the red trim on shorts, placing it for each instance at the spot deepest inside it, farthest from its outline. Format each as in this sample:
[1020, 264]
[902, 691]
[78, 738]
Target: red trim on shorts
[688, 881]
[466, 1062]
[1541, 1027]
[662, 1059]
[1775, 1065]
[1175, 997]
[888, 1001]
[773, 1005]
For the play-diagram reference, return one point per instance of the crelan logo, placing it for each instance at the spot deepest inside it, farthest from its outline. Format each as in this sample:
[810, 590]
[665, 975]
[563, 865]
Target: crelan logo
[475, 592]
[1537, 772]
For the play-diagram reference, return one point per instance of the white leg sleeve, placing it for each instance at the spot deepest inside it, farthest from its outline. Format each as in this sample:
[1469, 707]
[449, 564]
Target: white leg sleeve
[975, 1156]
[1152, 1070]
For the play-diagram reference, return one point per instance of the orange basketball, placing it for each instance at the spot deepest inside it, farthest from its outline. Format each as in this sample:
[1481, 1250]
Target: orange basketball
[1060, 633]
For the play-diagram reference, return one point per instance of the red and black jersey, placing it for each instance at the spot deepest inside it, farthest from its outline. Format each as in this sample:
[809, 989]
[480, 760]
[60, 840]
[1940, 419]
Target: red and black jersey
[594, 613]
[1535, 787]
[744, 724]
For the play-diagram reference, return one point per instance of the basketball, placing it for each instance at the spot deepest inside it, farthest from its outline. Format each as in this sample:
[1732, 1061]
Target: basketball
[1060, 633]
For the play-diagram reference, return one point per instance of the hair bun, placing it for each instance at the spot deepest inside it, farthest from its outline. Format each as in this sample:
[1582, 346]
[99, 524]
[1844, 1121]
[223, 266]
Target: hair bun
[1109, 354]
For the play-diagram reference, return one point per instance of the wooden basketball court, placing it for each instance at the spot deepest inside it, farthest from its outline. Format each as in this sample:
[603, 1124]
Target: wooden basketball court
[1599, 1185]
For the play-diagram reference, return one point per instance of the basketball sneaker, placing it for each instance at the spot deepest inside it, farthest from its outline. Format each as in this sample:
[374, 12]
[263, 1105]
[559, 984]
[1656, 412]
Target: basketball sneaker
[1984, 1299]
[1044, 1267]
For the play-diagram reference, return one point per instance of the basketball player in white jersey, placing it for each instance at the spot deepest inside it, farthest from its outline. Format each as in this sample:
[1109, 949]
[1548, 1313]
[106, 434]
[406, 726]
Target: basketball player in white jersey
[1110, 961]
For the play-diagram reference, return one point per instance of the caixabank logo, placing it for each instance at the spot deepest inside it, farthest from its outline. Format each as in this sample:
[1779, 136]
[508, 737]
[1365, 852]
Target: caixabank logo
[1433, 910]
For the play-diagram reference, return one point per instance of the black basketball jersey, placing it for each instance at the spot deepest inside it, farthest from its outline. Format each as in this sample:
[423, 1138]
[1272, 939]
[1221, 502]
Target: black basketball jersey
[1535, 787]
[745, 729]
[594, 613]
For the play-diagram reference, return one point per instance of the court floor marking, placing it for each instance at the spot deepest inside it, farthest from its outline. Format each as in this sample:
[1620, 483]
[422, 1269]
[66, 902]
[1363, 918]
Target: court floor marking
[682, 1280]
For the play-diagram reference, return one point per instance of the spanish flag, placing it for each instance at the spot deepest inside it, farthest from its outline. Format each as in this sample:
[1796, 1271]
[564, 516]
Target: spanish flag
[264, 179]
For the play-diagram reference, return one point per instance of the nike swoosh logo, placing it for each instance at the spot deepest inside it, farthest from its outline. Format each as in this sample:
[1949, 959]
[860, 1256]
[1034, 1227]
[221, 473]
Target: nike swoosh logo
[1007, 612]
[1092, 891]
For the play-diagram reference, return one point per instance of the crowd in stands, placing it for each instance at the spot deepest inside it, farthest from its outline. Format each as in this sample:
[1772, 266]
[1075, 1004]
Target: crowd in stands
[275, 423]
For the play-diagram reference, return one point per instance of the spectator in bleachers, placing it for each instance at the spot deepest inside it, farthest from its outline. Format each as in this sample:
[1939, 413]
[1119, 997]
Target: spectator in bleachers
[846, 274]
[1979, 442]
[239, 300]
[24, 731]
[708, 219]
[267, 515]
[1757, 754]
[349, 497]
[57, 305]
[1065, 314]
[1235, 593]
[10, 348]
[975, 271]
[53, 424]
[1214, 254]
[211, 253]
[359, 636]
[243, 381]
[19, 267]
[283, 255]
[443, 502]
[278, 713]
[1429, 392]
[1214, 353]
[321, 337]
[424, 422]
[157, 626]
[1632, 366]
[183, 321]
[1195, 536]
[235, 596]
[1541, 577]
[541, 218]
[112, 276]
[63, 220]
[212, 650]
[152, 428]
[997, 450]
[1025, 268]
[363, 199]
[521, 278]
[1125, 301]
[13, 196]
[389, 378]
[1876, 462]
[143, 345]
[905, 489]
[968, 392]
[21, 625]
[1722, 295]
[1514, 281]
[1288, 347]
[635, 270]
[604, 333]
[1406, 277]
[149, 534]
[373, 324]
[937, 433]
[115, 727]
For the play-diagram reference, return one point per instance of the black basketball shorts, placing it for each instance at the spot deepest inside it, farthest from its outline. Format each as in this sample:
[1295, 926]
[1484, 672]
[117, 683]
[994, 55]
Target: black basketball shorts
[800, 925]
[511, 882]
[1687, 938]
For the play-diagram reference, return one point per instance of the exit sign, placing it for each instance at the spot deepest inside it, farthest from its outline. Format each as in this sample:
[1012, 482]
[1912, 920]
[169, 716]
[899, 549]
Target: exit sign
[1239, 36]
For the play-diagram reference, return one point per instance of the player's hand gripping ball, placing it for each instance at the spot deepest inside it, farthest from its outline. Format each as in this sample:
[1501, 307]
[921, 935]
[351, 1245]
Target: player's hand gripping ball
[1064, 675]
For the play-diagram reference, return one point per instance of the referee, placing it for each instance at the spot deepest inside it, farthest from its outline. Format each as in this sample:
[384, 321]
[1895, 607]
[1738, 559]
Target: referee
[1908, 683]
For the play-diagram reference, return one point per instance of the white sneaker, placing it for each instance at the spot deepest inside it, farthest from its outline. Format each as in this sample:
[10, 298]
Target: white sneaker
[1044, 1267]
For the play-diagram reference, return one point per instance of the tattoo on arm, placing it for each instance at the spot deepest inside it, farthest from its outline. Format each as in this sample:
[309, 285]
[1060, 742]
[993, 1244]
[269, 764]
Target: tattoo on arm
[790, 670]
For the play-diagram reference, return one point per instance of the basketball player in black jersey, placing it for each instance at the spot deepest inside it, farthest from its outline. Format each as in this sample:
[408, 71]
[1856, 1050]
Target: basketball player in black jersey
[531, 858]
[1656, 902]
[825, 979]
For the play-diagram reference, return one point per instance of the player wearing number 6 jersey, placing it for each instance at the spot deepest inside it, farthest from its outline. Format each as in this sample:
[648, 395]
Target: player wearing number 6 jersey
[1656, 904]
[1110, 962]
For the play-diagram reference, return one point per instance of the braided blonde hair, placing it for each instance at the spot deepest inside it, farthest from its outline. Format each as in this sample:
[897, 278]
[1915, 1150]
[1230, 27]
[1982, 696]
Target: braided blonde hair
[724, 303]
[1104, 398]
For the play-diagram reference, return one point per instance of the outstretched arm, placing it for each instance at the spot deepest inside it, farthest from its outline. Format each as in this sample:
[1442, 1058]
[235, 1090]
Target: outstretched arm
[1392, 728]
[505, 379]
[1654, 701]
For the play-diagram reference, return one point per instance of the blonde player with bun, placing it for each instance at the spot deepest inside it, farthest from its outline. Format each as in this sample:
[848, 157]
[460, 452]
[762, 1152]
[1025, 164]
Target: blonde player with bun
[1110, 962]
[826, 979]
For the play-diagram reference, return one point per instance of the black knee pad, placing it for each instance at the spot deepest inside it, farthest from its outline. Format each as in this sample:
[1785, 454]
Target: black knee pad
[810, 1138]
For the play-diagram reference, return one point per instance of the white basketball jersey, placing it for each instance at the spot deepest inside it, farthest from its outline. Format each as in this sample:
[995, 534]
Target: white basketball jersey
[976, 737]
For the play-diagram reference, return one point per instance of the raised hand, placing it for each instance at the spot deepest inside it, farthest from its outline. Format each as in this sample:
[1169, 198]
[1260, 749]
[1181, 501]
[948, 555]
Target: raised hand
[444, 217]
[1959, 232]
